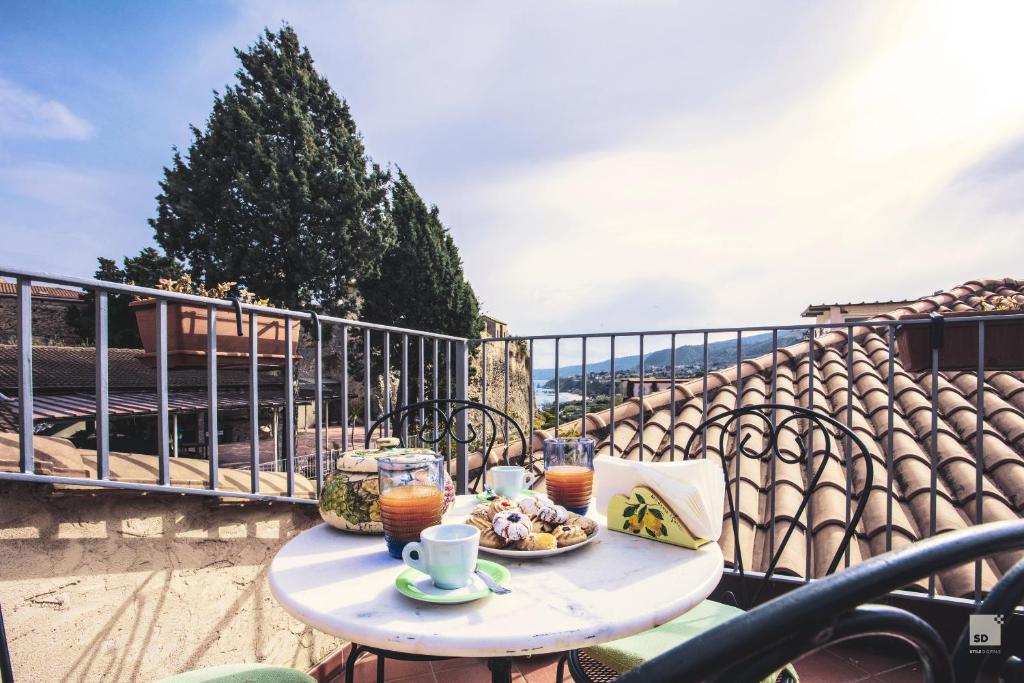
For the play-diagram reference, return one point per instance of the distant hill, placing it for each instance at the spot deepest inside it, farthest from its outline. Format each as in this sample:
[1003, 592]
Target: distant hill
[719, 353]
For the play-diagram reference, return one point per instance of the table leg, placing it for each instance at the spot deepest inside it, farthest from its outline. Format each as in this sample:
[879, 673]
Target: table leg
[501, 669]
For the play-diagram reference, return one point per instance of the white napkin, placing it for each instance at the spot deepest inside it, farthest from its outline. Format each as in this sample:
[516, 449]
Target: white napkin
[694, 489]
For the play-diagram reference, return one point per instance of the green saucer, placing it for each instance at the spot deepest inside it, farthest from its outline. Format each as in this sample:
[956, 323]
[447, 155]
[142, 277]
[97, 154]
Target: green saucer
[415, 584]
[483, 496]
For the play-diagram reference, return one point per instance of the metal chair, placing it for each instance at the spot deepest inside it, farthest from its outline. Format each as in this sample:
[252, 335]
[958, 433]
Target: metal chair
[433, 423]
[6, 669]
[584, 668]
[834, 609]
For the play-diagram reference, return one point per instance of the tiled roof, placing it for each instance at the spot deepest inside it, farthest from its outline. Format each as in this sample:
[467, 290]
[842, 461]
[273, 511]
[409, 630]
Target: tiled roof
[1003, 437]
[82, 406]
[813, 309]
[66, 368]
[11, 289]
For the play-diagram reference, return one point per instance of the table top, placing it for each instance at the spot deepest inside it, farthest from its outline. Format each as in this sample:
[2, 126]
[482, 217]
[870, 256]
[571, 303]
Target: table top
[617, 585]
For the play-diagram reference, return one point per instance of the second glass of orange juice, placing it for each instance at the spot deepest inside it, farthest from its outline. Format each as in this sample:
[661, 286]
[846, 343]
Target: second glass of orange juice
[569, 472]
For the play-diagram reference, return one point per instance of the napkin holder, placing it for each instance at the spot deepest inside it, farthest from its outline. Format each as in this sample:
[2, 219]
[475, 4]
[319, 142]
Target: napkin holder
[643, 513]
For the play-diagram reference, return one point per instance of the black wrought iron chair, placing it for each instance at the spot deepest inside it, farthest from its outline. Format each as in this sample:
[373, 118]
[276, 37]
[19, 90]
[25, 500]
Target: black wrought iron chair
[834, 609]
[434, 423]
[6, 669]
[595, 664]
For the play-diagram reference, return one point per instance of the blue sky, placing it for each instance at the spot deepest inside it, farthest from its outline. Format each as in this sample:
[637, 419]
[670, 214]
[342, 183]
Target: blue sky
[602, 166]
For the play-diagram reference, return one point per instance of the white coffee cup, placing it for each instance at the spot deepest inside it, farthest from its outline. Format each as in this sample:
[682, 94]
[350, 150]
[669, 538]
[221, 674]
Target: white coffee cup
[508, 480]
[447, 552]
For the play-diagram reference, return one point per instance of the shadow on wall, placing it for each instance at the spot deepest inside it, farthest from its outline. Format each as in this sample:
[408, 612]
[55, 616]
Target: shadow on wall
[115, 586]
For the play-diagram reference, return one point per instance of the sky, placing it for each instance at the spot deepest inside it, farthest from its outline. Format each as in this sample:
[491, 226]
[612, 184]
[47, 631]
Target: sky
[602, 166]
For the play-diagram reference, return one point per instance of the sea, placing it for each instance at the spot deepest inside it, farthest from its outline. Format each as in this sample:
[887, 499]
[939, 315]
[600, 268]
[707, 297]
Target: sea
[545, 397]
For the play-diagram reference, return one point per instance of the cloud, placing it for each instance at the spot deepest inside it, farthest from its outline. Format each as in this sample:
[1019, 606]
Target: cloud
[842, 192]
[25, 114]
[60, 217]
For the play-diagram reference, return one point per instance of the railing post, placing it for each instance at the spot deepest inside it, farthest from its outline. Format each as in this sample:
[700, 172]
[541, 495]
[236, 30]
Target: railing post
[254, 404]
[319, 408]
[212, 453]
[102, 389]
[25, 405]
[461, 426]
[344, 388]
[162, 428]
[289, 407]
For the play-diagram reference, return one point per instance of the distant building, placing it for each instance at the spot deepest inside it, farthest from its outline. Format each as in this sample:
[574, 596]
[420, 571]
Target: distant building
[850, 312]
[631, 386]
[50, 306]
[494, 327]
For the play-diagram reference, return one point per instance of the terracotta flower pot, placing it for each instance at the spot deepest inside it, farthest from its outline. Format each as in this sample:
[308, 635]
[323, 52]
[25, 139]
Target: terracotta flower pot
[187, 327]
[1004, 342]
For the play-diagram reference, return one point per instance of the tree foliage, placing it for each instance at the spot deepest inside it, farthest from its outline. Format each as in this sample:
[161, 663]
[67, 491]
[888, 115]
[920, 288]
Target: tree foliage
[144, 270]
[277, 192]
[421, 284]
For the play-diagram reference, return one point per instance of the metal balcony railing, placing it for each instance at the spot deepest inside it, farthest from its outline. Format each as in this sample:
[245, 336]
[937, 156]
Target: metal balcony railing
[440, 364]
[392, 366]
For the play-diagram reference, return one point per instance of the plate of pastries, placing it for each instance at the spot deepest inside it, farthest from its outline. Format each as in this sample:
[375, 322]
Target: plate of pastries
[533, 526]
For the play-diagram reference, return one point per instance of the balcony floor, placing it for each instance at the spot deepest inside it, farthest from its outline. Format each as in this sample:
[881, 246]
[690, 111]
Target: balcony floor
[834, 665]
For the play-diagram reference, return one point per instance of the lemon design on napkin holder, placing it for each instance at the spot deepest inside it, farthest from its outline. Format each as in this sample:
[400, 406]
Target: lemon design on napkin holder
[643, 513]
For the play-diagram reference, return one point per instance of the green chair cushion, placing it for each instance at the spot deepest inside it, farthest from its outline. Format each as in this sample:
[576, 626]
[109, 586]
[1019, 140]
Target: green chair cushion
[628, 653]
[241, 673]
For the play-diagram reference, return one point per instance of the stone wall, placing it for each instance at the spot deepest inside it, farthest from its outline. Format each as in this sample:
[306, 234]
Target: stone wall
[120, 587]
[49, 321]
[519, 381]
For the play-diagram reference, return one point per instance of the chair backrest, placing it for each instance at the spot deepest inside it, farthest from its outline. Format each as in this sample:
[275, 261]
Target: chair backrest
[6, 672]
[435, 422]
[814, 435]
[834, 609]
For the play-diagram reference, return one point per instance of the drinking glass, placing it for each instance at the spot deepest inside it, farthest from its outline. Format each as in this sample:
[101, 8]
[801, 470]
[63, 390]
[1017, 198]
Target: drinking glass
[411, 494]
[569, 472]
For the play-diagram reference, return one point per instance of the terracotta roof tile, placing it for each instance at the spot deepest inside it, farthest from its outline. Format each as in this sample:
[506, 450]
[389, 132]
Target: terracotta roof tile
[771, 495]
[73, 368]
[11, 289]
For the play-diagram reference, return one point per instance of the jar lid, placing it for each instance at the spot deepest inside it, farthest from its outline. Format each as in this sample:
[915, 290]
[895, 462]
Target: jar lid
[408, 461]
[365, 459]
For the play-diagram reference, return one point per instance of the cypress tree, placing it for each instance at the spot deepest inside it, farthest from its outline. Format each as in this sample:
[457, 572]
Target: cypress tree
[277, 193]
[421, 284]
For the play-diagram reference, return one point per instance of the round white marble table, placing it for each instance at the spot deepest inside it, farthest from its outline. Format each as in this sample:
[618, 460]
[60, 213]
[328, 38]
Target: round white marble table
[617, 585]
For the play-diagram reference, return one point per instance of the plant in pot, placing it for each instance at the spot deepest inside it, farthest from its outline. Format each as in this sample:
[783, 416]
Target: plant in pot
[188, 326]
[958, 350]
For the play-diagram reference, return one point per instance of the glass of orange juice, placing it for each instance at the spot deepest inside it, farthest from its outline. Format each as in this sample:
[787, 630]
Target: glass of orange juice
[411, 494]
[569, 472]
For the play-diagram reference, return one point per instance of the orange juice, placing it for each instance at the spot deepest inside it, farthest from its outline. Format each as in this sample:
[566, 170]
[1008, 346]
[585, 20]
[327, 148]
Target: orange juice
[405, 511]
[570, 485]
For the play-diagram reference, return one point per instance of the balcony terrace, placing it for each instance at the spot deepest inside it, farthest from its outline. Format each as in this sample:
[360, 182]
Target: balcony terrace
[142, 506]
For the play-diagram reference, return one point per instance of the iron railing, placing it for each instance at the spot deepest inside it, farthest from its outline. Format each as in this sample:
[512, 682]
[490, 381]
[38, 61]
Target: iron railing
[304, 465]
[612, 345]
[402, 366]
[375, 342]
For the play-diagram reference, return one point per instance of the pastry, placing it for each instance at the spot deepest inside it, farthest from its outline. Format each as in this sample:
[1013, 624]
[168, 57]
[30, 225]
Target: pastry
[569, 534]
[532, 505]
[501, 505]
[511, 526]
[540, 541]
[489, 539]
[482, 511]
[481, 523]
[553, 514]
[585, 523]
[540, 527]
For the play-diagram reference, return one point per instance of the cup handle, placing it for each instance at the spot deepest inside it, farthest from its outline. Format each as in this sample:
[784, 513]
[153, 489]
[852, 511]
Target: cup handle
[417, 561]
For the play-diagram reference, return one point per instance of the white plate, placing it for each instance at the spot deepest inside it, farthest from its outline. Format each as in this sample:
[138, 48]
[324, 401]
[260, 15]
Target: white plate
[531, 554]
